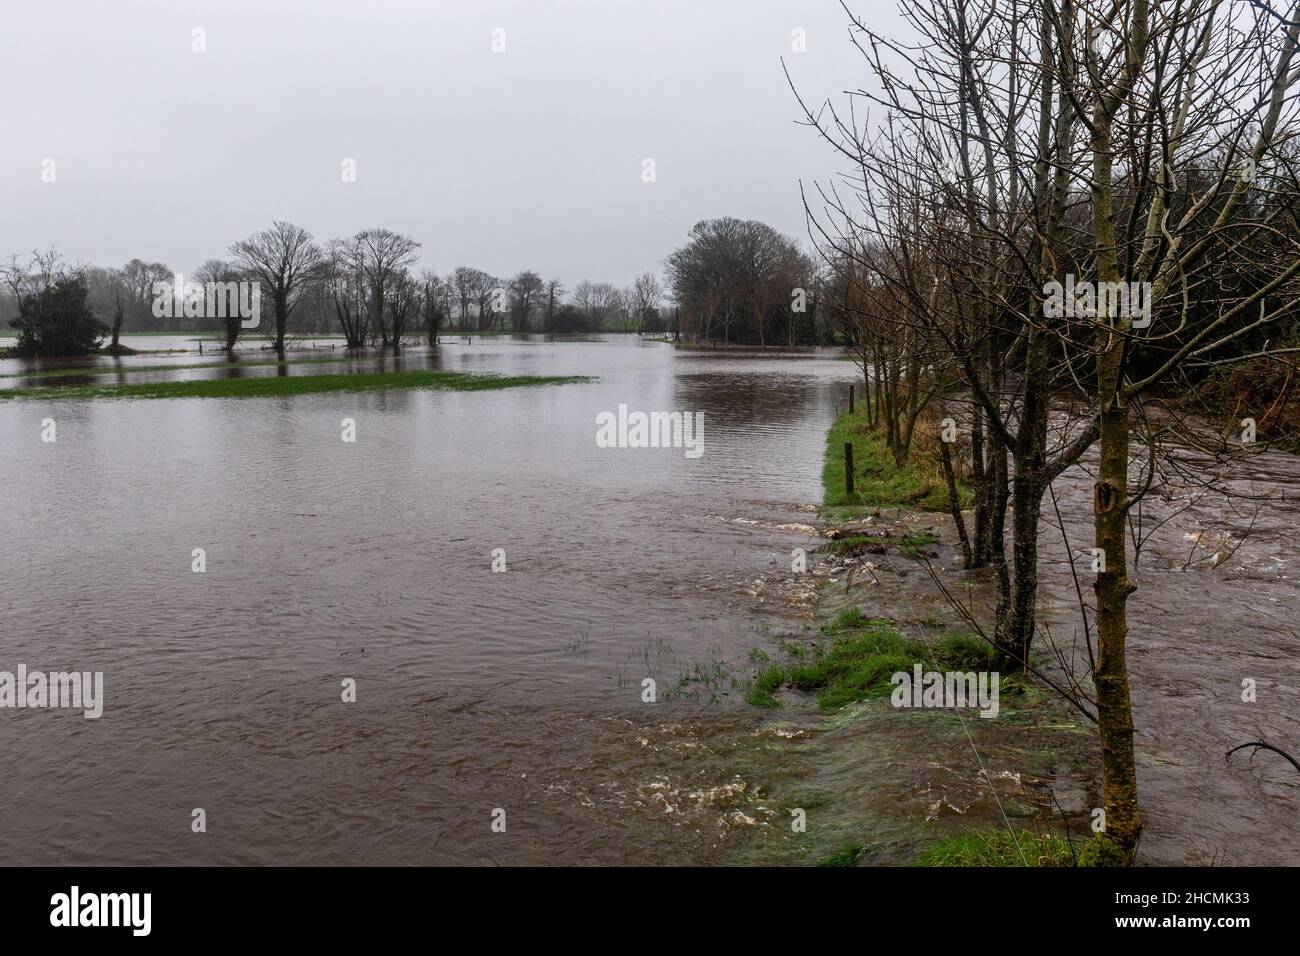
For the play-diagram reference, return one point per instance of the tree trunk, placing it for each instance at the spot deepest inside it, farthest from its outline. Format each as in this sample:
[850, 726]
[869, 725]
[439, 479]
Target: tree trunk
[1027, 490]
[954, 505]
[1114, 708]
[281, 320]
[1110, 508]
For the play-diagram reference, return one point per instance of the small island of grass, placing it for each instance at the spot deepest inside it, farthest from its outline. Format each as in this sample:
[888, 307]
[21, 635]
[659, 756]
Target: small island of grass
[277, 386]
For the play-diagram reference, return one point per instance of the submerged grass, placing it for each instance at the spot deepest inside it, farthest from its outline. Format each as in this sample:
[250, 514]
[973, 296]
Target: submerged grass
[847, 855]
[132, 369]
[999, 848]
[276, 386]
[908, 545]
[878, 481]
[859, 658]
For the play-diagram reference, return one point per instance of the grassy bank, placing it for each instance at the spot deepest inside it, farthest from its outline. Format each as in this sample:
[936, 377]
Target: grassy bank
[999, 848]
[857, 659]
[275, 386]
[878, 481]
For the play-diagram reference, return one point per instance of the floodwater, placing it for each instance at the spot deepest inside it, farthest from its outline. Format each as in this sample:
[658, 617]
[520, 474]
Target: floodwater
[1213, 647]
[372, 561]
[522, 691]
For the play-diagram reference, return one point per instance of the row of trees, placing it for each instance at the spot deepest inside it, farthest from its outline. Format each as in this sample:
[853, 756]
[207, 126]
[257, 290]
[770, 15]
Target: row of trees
[738, 281]
[365, 286]
[59, 309]
[52, 311]
[1025, 162]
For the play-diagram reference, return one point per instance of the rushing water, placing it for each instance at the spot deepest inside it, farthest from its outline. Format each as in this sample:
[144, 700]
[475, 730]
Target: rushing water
[372, 561]
[1214, 616]
[523, 690]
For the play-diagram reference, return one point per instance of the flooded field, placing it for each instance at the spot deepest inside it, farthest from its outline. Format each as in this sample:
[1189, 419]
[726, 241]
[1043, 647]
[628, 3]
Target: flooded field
[373, 561]
[522, 691]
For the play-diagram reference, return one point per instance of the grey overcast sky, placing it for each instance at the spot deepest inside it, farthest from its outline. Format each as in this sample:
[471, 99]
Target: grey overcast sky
[526, 158]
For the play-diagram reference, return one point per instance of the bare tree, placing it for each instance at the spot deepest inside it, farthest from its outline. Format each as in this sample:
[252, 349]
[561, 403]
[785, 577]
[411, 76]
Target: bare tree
[1195, 82]
[488, 295]
[382, 256]
[346, 290]
[282, 260]
[647, 293]
[1028, 146]
[464, 282]
[220, 271]
[597, 301]
[141, 278]
[402, 302]
[735, 275]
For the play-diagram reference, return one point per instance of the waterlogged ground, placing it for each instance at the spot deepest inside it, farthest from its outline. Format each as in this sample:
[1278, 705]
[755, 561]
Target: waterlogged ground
[371, 561]
[523, 691]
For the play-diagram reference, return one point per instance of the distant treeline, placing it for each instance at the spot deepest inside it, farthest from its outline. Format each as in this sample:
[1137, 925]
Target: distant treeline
[363, 286]
[733, 281]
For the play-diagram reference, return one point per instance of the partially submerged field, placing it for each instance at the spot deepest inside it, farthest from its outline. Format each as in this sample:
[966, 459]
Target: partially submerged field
[276, 386]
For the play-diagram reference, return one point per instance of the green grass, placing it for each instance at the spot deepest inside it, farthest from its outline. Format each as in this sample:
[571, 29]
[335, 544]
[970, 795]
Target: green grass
[998, 848]
[858, 660]
[847, 620]
[878, 481]
[132, 369]
[275, 386]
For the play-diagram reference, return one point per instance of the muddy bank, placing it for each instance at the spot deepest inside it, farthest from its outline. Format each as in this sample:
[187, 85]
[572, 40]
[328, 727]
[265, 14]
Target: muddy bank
[1214, 616]
[893, 782]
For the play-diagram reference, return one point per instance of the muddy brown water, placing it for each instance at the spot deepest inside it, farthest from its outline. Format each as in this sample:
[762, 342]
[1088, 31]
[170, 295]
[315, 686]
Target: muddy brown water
[522, 691]
[1215, 612]
[372, 561]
